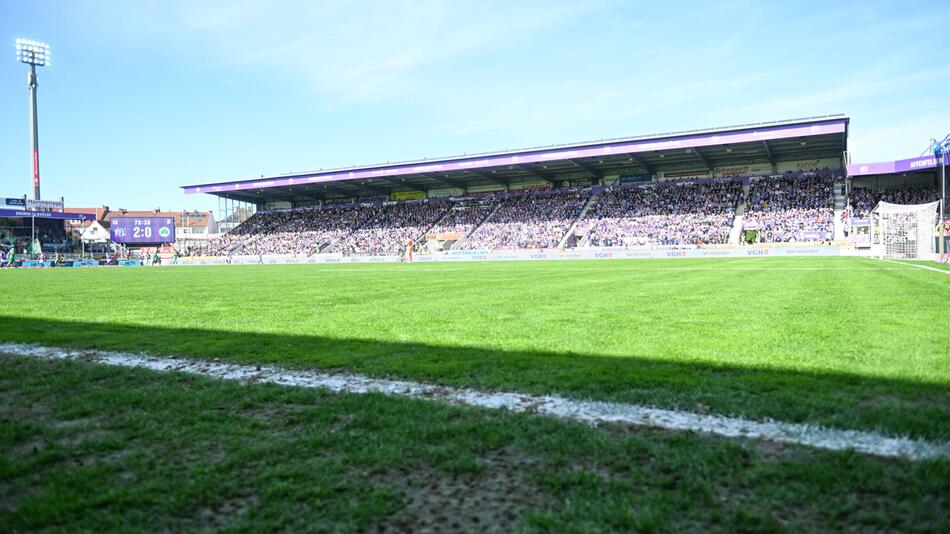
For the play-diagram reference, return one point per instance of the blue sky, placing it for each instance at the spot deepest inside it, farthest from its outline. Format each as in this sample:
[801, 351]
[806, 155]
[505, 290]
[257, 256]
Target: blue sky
[143, 97]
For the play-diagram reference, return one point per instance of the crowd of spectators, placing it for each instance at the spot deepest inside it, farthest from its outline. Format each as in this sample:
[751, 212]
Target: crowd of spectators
[389, 228]
[793, 207]
[198, 248]
[51, 235]
[464, 217]
[863, 200]
[303, 231]
[529, 220]
[99, 248]
[667, 214]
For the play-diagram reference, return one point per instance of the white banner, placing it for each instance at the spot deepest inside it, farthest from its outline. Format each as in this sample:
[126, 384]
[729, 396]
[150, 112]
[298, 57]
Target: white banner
[43, 204]
[534, 255]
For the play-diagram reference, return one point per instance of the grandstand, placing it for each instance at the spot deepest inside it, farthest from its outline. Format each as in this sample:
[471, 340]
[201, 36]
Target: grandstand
[910, 181]
[776, 183]
[37, 227]
[461, 220]
[796, 207]
[534, 198]
[671, 213]
[537, 219]
[759, 184]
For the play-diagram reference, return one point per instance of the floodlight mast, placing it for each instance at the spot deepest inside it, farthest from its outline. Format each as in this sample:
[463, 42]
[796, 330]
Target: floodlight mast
[34, 54]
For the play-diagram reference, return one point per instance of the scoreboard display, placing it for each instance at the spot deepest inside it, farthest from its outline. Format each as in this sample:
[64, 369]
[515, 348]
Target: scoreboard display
[142, 230]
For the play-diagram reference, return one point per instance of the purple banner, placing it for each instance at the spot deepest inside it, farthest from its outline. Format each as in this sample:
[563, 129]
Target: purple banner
[48, 215]
[142, 230]
[539, 156]
[901, 165]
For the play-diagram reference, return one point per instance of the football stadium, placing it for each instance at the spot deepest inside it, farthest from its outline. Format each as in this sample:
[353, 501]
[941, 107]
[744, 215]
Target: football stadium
[729, 329]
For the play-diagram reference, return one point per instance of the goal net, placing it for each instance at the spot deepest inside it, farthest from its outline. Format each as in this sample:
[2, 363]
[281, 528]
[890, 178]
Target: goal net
[905, 231]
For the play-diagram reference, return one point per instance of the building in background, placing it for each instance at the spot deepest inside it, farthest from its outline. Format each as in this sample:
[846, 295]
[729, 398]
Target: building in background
[188, 224]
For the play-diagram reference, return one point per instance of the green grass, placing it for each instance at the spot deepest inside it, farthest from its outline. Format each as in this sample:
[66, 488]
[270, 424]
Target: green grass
[846, 342]
[97, 448]
[935, 265]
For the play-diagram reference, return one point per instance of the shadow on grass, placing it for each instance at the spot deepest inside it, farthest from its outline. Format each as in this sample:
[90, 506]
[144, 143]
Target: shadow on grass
[835, 399]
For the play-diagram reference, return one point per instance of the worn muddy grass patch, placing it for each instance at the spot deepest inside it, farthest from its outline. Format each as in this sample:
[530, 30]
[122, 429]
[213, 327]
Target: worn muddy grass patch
[179, 452]
[489, 492]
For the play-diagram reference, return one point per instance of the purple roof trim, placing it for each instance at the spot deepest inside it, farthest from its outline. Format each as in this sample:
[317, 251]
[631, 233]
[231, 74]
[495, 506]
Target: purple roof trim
[501, 160]
[901, 165]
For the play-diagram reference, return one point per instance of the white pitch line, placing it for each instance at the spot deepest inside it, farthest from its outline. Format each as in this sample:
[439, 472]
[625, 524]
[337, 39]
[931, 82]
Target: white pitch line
[929, 268]
[560, 269]
[589, 412]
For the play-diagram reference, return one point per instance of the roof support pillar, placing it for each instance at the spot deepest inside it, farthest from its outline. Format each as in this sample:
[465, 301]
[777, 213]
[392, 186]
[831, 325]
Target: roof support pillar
[406, 185]
[641, 162]
[768, 152]
[587, 168]
[488, 176]
[702, 158]
[375, 189]
[534, 173]
[444, 181]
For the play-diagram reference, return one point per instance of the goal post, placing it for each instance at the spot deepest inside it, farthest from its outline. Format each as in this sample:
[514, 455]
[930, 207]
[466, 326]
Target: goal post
[905, 231]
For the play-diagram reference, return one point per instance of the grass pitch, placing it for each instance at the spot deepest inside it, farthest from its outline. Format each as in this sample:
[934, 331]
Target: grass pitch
[845, 342]
[94, 448]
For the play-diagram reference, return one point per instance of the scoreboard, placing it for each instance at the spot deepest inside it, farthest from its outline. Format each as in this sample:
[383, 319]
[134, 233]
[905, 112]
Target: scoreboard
[142, 230]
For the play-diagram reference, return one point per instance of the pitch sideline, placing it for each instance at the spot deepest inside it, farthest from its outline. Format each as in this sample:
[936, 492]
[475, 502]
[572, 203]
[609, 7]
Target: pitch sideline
[929, 268]
[588, 412]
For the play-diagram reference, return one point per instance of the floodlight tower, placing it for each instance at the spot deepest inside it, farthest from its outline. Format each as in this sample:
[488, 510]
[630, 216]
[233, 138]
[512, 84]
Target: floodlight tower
[35, 54]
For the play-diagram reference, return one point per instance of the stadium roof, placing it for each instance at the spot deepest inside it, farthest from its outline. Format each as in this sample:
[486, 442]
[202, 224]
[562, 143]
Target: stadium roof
[922, 163]
[766, 142]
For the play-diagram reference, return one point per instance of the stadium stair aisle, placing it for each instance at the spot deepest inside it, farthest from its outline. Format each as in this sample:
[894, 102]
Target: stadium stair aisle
[579, 218]
[840, 204]
[485, 220]
[735, 234]
[420, 240]
[236, 247]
